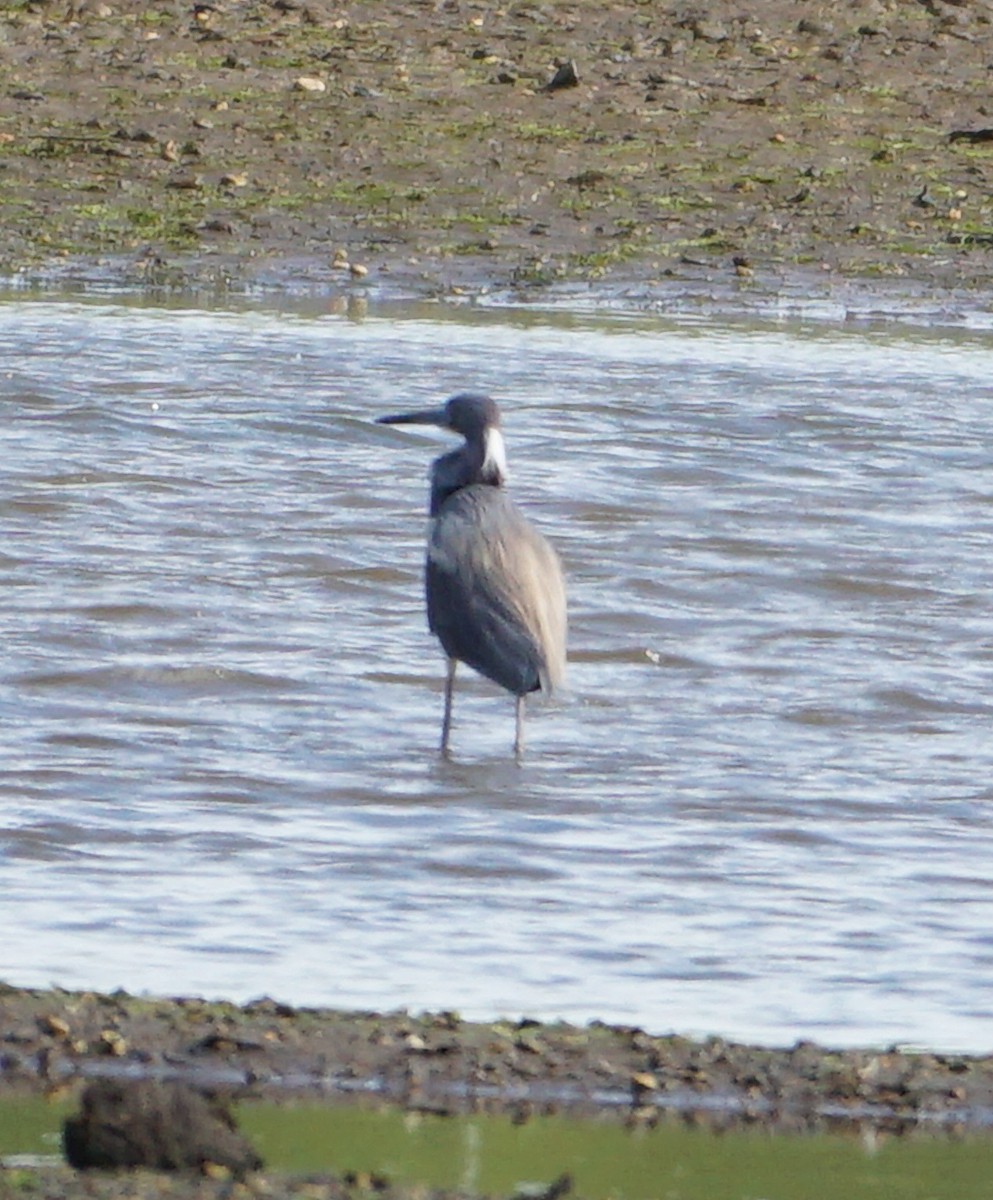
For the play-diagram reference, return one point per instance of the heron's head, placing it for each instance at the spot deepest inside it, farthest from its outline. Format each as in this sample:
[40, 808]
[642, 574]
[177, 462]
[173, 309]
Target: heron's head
[467, 414]
[471, 415]
[483, 459]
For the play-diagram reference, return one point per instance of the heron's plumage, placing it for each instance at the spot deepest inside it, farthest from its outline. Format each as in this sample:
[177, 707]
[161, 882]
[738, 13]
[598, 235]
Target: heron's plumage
[495, 591]
[495, 595]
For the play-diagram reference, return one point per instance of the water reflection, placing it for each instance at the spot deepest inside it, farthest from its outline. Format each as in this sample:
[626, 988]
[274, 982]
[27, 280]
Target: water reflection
[762, 809]
[696, 1156]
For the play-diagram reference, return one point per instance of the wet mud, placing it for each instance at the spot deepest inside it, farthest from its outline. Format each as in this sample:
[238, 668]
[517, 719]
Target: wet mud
[455, 148]
[439, 1060]
[438, 1063]
[159, 1124]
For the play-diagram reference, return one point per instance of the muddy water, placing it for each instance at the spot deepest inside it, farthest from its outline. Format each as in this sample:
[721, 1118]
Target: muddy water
[763, 807]
[497, 1155]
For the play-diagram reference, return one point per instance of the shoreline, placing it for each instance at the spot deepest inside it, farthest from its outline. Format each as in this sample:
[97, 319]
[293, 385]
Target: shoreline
[422, 150]
[698, 294]
[52, 1037]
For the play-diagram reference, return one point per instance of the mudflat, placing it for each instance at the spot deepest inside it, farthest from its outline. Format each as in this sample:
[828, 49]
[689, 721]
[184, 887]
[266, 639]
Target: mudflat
[465, 145]
[440, 1063]
[439, 1060]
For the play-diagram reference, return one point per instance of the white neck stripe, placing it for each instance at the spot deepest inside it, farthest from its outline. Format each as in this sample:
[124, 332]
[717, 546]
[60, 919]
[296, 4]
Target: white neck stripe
[494, 453]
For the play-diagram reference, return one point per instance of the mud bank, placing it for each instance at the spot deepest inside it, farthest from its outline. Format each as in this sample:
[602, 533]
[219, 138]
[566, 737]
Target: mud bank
[438, 1064]
[360, 144]
[439, 1060]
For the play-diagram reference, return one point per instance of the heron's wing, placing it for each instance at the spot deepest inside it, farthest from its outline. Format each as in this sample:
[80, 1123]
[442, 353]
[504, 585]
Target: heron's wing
[496, 596]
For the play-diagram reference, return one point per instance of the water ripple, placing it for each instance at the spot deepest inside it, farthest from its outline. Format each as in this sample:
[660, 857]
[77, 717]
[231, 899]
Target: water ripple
[761, 809]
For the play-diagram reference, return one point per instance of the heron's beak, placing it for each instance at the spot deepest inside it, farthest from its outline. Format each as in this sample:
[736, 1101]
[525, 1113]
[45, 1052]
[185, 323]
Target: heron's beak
[427, 416]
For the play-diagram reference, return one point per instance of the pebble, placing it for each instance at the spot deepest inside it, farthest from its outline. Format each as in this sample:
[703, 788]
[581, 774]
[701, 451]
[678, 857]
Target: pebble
[565, 77]
[309, 83]
[54, 1026]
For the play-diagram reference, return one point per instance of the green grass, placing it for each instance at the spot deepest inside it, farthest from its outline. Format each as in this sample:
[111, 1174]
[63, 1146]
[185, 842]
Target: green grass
[535, 131]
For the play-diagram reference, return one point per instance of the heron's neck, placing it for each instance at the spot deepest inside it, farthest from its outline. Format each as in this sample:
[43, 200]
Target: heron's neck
[483, 462]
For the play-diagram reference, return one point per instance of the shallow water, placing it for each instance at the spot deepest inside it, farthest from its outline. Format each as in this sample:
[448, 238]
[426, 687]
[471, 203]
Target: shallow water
[762, 810]
[501, 1155]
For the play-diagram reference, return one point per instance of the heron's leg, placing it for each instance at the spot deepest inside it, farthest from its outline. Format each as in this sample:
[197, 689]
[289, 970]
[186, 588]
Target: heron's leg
[446, 722]
[519, 739]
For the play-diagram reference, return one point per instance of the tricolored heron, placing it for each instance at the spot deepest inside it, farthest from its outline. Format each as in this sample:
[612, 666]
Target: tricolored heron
[495, 591]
